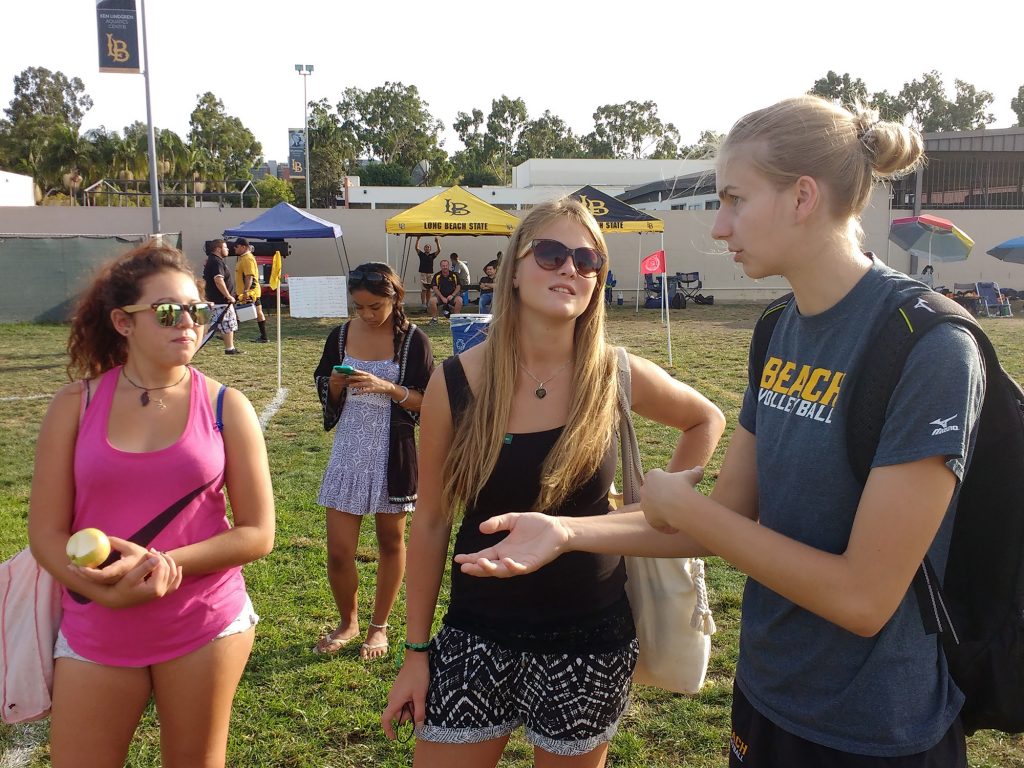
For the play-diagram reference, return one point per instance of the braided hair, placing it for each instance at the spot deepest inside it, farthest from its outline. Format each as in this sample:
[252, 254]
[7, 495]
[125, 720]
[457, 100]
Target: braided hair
[391, 288]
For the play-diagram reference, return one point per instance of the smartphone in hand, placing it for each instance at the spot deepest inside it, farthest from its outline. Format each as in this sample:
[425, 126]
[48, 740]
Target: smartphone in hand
[346, 370]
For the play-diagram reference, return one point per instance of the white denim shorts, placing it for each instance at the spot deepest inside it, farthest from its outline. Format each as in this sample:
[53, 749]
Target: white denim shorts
[245, 619]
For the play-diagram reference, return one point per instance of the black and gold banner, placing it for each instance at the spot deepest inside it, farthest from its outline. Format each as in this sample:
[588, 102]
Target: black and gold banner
[118, 36]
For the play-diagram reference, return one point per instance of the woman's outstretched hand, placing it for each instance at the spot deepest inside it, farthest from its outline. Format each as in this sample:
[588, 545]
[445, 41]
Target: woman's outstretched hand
[533, 540]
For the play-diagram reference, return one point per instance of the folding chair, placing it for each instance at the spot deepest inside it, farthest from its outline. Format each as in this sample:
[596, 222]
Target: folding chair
[992, 300]
[653, 287]
[689, 285]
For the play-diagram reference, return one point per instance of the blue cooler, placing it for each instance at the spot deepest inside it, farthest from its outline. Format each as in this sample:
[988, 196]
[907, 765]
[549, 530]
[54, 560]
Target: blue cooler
[468, 331]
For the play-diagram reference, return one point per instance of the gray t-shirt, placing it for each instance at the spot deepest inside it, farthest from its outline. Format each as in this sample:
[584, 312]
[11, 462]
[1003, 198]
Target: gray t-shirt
[463, 269]
[890, 694]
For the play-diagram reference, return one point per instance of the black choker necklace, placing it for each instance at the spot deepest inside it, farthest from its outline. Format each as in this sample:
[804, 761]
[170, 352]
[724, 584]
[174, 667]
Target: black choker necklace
[144, 398]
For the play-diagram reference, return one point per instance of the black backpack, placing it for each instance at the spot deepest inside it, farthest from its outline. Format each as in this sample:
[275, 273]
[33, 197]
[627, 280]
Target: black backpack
[978, 610]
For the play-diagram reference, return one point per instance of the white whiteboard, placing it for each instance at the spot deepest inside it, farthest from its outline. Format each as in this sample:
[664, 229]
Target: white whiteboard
[325, 296]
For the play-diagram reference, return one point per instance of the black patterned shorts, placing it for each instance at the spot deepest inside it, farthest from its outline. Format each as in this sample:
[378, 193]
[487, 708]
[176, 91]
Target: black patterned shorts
[570, 704]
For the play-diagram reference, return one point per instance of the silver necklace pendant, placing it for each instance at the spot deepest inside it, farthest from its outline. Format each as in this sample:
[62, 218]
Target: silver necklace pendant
[540, 392]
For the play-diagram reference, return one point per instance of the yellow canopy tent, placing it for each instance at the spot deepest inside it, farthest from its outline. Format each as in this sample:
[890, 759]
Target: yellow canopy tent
[452, 212]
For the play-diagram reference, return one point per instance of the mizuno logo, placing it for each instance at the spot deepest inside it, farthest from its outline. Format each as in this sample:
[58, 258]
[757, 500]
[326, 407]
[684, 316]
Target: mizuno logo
[922, 304]
[944, 426]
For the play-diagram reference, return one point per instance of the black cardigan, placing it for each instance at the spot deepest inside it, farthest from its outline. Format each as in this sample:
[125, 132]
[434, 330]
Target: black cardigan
[415, 364]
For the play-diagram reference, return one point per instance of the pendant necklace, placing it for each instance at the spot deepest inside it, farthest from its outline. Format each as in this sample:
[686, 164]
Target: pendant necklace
[540, 392]
[144, 398]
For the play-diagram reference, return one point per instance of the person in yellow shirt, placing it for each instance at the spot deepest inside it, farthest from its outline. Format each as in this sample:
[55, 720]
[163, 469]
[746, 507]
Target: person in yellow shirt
[248, 281]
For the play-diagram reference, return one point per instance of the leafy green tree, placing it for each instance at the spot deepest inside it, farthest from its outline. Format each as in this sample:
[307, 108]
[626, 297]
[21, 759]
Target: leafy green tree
[547, 136]
[505, 123]
[391, 123]
[841, 88]
[483, 177]
[38, 91]
[233, 150]
[332, 151]
[474, 164]
[384, 175]
[928, 108]
[40, 130]
[968, 110]
[633, 129]
[273, 191]
[1017, 105]
[23, 146]
[597, 147]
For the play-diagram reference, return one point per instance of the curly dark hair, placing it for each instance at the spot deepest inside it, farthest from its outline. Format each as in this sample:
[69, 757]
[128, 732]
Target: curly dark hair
[94, 346]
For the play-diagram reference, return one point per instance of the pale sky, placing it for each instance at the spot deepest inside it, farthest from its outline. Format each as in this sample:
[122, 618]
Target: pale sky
[704, 64]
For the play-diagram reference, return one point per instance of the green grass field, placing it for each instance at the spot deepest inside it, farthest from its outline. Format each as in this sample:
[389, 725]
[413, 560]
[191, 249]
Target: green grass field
[298, 709]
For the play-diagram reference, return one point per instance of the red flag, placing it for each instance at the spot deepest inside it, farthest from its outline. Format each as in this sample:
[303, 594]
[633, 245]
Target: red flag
[654, 264]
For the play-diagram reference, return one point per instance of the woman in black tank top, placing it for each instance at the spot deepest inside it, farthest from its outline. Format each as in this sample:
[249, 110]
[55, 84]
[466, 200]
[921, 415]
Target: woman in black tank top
[526, 421]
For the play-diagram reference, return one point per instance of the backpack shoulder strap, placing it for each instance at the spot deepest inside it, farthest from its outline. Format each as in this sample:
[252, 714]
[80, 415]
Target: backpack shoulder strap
[886, 355]
[763, 331]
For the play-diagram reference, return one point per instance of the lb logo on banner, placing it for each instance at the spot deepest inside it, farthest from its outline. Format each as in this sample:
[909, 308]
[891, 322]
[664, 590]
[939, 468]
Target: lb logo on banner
[654, 264]
[118, 33]
[297, 153]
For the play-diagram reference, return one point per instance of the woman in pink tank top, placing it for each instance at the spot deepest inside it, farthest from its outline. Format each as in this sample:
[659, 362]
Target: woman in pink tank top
[143, 448]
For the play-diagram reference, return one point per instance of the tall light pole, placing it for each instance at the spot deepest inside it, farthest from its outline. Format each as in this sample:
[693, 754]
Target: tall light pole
[305, 70]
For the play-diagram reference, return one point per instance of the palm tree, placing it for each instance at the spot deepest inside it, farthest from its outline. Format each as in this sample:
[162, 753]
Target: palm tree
[197, 163]
[172, 157]
[68, 157]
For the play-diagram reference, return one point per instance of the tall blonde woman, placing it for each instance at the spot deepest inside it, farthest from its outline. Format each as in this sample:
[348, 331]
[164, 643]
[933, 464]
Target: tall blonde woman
[527, 421]
[835, 668]
[143, 446]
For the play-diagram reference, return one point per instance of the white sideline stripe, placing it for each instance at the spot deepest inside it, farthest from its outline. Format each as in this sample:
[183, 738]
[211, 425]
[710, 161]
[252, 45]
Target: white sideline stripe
[12, 398]
[26, 738]
[268, 413]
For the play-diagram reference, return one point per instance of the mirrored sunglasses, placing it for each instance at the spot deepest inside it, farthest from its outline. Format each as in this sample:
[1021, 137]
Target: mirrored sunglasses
[169, 313]
[551, 254]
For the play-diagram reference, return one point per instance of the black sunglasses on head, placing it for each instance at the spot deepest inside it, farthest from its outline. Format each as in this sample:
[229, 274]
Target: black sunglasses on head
[551, 254]
[365, 276]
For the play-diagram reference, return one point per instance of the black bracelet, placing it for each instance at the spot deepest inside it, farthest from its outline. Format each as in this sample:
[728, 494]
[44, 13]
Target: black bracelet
[420, 647]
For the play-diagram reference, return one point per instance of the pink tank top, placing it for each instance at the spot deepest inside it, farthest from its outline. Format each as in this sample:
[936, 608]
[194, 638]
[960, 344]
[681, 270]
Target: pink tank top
[163, 499]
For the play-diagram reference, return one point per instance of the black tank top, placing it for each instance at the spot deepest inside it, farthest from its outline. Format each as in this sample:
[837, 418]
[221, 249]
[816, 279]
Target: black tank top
[576, 603]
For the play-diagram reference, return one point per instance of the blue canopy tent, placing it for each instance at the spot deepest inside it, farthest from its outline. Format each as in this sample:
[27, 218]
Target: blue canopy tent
[286, 222]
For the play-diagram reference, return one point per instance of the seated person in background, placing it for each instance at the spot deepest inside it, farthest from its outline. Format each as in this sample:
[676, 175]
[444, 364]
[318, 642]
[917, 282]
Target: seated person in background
[444, 292]
[462, 270]
[487, 289]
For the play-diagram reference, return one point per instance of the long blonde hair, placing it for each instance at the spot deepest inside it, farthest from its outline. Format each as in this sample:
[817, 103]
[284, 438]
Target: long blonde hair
[480, 430]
